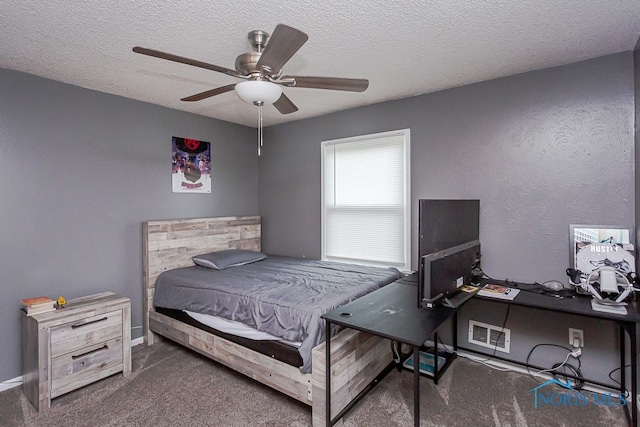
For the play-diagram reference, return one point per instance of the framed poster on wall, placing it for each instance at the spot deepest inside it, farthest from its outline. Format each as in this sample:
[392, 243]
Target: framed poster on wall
[595, 246]
[190, 166]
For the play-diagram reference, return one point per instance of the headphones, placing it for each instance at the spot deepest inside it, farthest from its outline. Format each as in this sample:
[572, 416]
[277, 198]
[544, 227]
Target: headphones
[607, 280]
[608, 284]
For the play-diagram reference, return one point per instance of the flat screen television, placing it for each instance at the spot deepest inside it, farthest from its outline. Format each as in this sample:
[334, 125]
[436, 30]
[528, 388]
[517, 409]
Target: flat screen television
[443, 225]
[444, 272]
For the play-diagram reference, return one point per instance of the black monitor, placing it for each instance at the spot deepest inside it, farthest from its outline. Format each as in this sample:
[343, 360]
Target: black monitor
[443, 224]
[444, 272]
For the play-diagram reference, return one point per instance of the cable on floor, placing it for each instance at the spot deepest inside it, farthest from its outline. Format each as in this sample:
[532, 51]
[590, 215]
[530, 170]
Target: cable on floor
[579, 381]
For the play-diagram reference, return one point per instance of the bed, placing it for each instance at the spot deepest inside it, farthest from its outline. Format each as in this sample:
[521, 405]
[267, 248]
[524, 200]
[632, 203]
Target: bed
[357, 358]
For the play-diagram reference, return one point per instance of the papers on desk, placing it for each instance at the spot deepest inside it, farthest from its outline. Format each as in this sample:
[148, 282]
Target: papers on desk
[499, 292]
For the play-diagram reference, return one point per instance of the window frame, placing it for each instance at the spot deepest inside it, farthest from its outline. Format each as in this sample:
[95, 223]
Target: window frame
[405, 134]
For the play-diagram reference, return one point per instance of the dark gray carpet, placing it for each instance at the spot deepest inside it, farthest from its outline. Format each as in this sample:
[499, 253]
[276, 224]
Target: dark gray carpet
[172, 386]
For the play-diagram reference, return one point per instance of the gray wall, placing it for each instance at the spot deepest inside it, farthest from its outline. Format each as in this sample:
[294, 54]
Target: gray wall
[636, 62]
[79, 172]
[636, 67]
[541, 150]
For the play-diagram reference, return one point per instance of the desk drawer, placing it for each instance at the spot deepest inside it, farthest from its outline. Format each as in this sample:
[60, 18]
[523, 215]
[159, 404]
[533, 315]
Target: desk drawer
[86, 365]
[85, 333]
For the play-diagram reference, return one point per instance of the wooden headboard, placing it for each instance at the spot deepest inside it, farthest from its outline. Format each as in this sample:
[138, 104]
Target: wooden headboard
[170, 244]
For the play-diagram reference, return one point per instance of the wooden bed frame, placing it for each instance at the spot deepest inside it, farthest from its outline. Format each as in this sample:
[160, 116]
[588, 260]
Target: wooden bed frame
[357, 358]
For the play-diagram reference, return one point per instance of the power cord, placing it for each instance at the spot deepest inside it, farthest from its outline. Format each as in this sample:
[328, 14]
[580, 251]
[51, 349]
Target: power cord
[396, 352]
[579, 381]
[575, 353]
[495, 347]
[557, 365]
[486, 276]
[447, 350]
[575, 370]
[537, 288]
[627, 393]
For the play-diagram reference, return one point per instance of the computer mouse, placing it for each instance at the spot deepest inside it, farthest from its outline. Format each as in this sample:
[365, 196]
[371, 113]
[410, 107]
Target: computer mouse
[553, 286]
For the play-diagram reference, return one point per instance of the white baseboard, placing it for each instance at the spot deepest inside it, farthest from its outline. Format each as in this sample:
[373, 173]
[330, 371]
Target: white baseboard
[17, 381]
[8, 384]
[504, 365]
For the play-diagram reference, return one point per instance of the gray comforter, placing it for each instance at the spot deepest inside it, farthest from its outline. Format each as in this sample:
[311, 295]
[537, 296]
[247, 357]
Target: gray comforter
[280, 295]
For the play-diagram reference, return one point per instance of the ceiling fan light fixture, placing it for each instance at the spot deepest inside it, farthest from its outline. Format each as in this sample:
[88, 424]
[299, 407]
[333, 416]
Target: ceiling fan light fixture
[258, 92]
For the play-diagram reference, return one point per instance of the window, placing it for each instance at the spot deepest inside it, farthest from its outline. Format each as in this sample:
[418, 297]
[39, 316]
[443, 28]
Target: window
[366, 200]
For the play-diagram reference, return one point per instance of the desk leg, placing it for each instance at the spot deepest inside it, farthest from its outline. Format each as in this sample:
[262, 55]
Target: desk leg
[623, 357]
[455, 333]
[634, 373]
[435, 357]
[416, 386]
[630, 329]
[327, 369]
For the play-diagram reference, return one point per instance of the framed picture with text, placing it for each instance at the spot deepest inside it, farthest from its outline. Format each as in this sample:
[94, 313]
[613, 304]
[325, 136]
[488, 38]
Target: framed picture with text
[595, 246]
[190, 166]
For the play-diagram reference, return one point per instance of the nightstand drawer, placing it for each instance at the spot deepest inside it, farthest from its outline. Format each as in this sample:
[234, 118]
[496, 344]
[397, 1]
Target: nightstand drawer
[85, 333]
[86, 365]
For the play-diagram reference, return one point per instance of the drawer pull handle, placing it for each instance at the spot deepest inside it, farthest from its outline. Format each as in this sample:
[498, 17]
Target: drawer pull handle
[78, 325]
[104, 347]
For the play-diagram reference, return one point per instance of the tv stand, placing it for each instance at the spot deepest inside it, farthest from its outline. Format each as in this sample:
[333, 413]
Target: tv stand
[431, 302]
[452, 301]
[461, 297]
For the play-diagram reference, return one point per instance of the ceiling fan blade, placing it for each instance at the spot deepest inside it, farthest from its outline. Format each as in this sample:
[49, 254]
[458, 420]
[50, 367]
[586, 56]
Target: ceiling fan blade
[183, 60]
[283, 44]
[209, 93]
[333, 83]
[284, 105]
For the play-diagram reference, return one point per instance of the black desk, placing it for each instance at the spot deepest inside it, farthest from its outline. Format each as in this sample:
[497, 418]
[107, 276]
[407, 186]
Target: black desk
[581, 305]
[390, 312]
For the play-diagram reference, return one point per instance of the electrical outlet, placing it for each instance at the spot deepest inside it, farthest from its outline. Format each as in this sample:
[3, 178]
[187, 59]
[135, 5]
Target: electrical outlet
[576, 337]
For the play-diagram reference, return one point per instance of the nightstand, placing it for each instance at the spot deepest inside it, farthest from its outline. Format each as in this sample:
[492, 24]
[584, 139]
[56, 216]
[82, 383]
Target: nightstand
[63, 350]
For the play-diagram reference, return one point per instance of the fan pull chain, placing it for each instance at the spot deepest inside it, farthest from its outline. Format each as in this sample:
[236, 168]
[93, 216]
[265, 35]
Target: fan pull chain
[260, 130]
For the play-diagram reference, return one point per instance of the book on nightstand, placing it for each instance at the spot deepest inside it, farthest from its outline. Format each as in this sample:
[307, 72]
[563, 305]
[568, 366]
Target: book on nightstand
[38, 305]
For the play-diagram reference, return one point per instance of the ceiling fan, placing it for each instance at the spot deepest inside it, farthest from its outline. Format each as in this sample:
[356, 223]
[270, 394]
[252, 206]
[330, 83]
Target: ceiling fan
[261, 70]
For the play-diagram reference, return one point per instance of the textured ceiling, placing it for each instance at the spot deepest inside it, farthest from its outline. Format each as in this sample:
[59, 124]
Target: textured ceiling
[404, 48]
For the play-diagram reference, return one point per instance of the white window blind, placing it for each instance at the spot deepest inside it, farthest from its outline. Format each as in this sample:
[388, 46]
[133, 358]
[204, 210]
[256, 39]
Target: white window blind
[365, 199]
